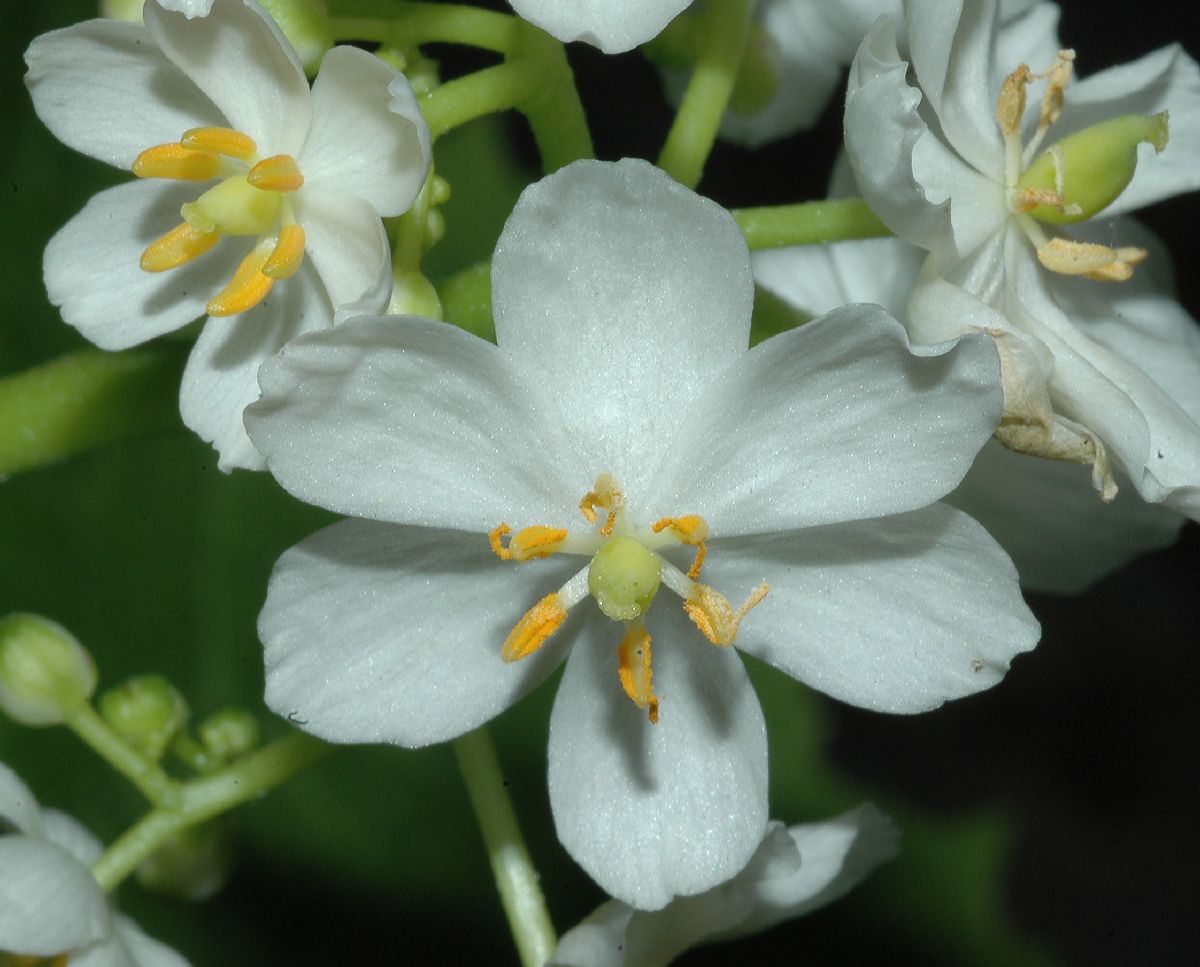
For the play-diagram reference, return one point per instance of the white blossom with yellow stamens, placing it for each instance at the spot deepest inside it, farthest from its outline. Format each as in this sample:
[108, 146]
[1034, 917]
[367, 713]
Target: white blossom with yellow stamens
[991, 164]
[257, 198]
[621, 395]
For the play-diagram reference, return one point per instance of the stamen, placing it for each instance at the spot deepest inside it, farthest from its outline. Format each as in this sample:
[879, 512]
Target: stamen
[287, 255]
[535, 626]
[528, 543]
[248, 287]
[223, 141]
[176, 162]
[692, 530]
[178, 246]
[277, 173]
[607, 495]
[712, 613]
[1086, 258]
[1010, 105]
[634, 669]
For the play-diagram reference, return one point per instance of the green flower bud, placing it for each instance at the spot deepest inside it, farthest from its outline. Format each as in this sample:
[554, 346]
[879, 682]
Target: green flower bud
[305, 23]
[1095, 164]
[122, 10]
[414, 295]
[146, 712]
[192, 865]
[229, 733]
[623, 578]
[45, 672]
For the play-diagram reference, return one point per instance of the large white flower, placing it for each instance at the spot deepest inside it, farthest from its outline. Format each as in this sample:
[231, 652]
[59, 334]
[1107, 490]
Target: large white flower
[259, 201]
[953, 166]
[1043, 512]
[623, 428]
[612, 25]
[794, 871]
[50, 906]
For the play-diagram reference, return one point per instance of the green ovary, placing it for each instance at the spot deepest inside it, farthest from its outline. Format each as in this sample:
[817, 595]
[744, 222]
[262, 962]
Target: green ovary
[233, 207]
[623, 578]
[1096, 165]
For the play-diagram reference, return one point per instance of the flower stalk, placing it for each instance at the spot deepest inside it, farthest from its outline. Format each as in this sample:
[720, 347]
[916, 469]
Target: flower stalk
[808, 223]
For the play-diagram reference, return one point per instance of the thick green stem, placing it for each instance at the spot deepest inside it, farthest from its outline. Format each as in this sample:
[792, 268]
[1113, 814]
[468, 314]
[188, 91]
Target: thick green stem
[725, 30]
[555, 112]
[516, 878]
[84, 400]
[410, 24]
[492, 89]
[205, 798]
[809, 223]
[467, 300]
[144, 773]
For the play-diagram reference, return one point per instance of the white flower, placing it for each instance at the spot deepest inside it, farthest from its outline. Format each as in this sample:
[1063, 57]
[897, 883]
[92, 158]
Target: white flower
[49, 903]
[621, 400]
[1042, 512]
[1082, 382]
[612, 25]
[214, 112]
[794, 871]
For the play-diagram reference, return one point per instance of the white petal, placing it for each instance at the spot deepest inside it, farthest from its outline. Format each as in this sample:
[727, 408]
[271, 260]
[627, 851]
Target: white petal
[673, 808]
[92, 272]
[599, 940]
[378, 633]
[819, 278]
[345, 240]
[1028, 35]
[952, 44]
[221, 378]
[67, 832]
[622, 293]
[612, 25]
[368, 137]
[142, 950]
[898, 614]
[49, 902]
[834, 857]
[103, 88]
[240, 59]
[18, 808]
[1164, 80]
[834, 421]
[413, 421]
[882, 128]
[1047, 516]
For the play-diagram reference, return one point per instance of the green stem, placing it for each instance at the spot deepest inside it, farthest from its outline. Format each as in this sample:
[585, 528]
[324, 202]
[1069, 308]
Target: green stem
[205, 798]
[144, 773]
[467, 300]
[555, 113]
[809, 223]
[84, 400]
[726, 28]
[484, 92]
[516, 878]
[411, 24]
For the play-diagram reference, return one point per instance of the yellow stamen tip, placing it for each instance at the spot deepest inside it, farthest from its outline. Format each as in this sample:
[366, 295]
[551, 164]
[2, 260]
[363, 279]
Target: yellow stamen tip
[535, 626]
[223, 141]
[277, 173]
[181, 244]
[634, 669]
[176, 162]
[536, 541]
[247, 288]
[712, 613]
[287, 255]
[498, 548]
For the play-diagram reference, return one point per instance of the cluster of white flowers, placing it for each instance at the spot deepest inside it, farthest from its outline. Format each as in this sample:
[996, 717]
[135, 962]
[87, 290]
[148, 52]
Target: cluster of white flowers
[620, 438]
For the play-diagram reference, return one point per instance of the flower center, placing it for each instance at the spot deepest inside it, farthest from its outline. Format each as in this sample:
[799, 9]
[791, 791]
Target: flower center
[623, 575]
[251, 199]
[1074, 179]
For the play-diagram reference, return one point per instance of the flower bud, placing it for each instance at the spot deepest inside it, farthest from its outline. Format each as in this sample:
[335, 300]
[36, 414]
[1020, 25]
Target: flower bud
[623, 578]
[305, 23]
[122, 10]
[1095, 165]
[146, 712]
[192, 865]
[45, 672]
[229, 733]
[414, 295]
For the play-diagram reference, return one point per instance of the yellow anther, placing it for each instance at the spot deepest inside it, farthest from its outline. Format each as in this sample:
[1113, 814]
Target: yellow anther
[224, 141]
[33, 960]
[1010, 105]
[176, 162]
[535, 626]
[527, 543]
[1057, 78]
[277, 173]
[248, 287]
[288, 253]
[181, 244]
[691, 530]
[606, 495]
[634, 669]
[1027, 199]
[712, 613]
[1088, 259]
[498, 548]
